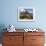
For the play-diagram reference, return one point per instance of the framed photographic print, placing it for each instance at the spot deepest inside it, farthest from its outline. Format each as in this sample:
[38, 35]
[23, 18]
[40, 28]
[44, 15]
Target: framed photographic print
[26, 14]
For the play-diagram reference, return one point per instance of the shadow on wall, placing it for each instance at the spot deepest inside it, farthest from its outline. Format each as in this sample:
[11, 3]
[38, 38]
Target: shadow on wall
[2, 26]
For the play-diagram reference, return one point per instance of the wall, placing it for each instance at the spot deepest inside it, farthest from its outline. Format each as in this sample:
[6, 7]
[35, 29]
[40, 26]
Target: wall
[8, 13]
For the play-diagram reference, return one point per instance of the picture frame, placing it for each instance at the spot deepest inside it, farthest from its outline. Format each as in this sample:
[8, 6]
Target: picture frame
[26, 14]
